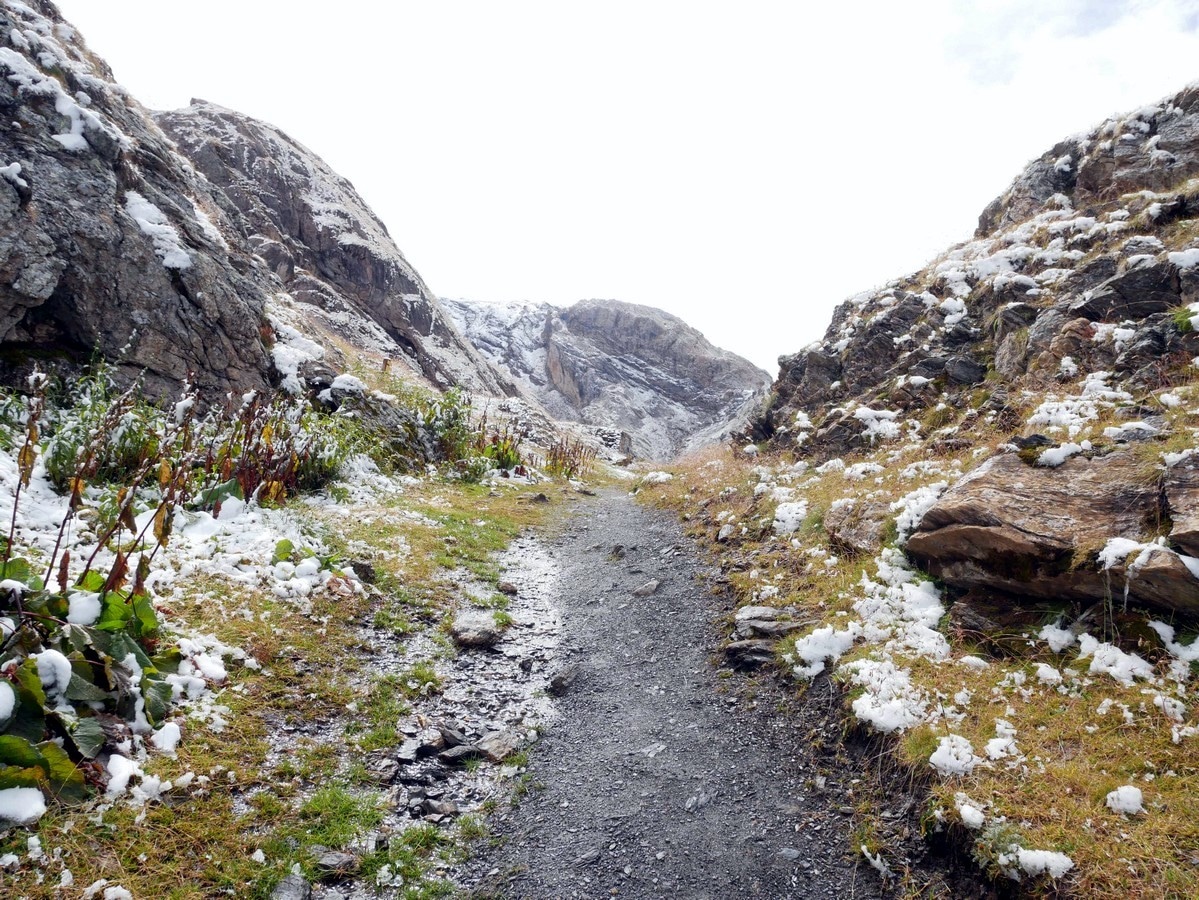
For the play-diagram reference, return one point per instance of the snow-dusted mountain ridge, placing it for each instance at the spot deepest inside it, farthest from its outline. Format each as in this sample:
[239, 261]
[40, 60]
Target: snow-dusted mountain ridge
[619, 365]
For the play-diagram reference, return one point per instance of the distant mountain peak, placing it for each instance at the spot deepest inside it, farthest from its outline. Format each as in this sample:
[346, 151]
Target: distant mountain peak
[620, 365]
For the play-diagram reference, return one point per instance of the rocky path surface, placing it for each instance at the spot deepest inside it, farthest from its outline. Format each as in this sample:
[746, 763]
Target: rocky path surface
[665, 775]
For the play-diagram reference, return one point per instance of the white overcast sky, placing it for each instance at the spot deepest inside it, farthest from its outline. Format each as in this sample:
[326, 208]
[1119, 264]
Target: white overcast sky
[745, 165]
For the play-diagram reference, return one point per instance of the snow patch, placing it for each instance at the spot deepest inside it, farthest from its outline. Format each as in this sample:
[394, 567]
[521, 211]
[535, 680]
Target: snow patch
[155, 225]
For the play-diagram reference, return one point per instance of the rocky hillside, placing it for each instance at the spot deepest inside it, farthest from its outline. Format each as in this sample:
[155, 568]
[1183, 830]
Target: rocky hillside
[110, 241]
[326, 246]
[1066, 322]
[618, 365]
[974, 502]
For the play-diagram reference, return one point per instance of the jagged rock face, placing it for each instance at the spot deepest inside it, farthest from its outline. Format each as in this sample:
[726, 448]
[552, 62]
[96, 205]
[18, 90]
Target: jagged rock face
[324, 243]
[618, 365]
[107, 236]
[1077, 267]
[1153, 149]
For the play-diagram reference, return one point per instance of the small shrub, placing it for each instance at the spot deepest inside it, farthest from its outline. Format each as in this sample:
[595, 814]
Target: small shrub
[1184, 319]
[569, 459]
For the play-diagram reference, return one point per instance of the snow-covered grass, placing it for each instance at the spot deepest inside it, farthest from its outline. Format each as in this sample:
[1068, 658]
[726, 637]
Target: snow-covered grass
[256, 761]
[237, 808]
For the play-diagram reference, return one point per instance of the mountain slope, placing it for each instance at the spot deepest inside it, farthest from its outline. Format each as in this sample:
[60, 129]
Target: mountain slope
[975, 502]
[618, 365]
[325, 244]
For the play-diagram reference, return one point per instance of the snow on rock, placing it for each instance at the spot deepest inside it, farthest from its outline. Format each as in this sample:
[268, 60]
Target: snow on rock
[912, 507]
[1184, 259]
[1118, 549]
[954, 756]
[880, 423]
[21, 805]
[1126, 799]
[1055, 456]
[292, 350]
[657, 478]
[154, 224]
[348, 383]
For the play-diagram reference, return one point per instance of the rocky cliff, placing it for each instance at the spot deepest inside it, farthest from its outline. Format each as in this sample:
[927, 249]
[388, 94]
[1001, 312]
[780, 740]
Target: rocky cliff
[1066, 328]
[113, 242]
[110, 241]
[326, 246]
[618, 365]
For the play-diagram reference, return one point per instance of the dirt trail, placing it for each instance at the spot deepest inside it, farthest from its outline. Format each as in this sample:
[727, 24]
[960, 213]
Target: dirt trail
[664, 776]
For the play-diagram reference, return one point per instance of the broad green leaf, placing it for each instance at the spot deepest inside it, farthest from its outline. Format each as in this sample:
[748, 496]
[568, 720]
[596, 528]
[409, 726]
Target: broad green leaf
[122, 645]
[66, 781]
[30, 719]
[92, 582]
[80, 637]
[15, 776]
[88, 737]
[220, 494]
[84, 691]
[144, 616]
[16, 751]
[30, 681]
[18, 570]
[167, 661]
[117, 611]
[283, 551]
[158, 699]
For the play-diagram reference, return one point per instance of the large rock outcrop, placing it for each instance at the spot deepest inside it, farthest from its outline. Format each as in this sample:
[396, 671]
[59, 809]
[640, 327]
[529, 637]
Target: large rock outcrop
[1038, 533]
[1079, 266]
[619, 365]
[110, 242]
[330, 251]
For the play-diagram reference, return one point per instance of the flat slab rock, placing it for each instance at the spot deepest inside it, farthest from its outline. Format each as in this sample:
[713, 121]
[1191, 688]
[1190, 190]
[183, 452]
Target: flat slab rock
[475, 628]
[1032, 531]
[293, 887]
[767, 622]
[499, 745]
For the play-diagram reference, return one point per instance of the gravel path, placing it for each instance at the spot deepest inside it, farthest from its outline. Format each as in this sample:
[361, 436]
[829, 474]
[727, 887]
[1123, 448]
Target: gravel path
[665, 776]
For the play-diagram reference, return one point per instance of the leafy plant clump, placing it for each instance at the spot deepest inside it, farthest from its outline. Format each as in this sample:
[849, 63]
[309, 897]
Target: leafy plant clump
[569, 459]
[83, 656]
